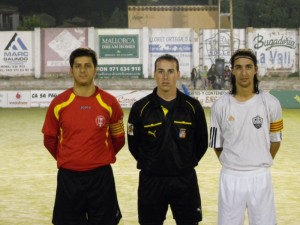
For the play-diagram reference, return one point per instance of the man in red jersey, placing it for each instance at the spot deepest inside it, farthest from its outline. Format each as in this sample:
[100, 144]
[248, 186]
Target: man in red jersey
[83, 131]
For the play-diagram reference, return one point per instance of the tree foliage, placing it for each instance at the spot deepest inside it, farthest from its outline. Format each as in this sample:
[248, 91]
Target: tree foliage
[30, 22]
[266, 13]
[113, 13]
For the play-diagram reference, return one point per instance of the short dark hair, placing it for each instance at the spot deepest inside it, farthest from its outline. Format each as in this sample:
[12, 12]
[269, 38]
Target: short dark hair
[83, 51]
[243, 53]
[167, 57]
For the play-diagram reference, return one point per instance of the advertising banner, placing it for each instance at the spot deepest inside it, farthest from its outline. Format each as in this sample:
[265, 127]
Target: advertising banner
[118, 46]
[177, 42]
[57, 44]
[3, 99]
[275, 49]
[212, 50]
[16, 53]
[109, 70]
[18, 99]
[119, 53]
[126, 98]
[41, 98]
[207, 97]
[288, 99]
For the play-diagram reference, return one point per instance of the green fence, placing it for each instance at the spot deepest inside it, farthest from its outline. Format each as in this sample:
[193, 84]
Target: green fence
[288, 99]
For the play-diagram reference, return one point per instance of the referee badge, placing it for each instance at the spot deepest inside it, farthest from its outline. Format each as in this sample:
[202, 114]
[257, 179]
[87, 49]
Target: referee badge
[182, 133]
[257, 121]
[130, 129]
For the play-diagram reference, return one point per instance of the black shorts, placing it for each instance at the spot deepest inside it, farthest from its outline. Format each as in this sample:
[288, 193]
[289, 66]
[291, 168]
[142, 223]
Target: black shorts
[86, 198]
[156, 193]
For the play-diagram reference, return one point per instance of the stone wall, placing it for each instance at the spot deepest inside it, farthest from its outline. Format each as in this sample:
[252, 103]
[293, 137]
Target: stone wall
[28, 83]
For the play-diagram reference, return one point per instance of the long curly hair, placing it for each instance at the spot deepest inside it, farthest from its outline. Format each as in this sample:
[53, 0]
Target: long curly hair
[243, 53]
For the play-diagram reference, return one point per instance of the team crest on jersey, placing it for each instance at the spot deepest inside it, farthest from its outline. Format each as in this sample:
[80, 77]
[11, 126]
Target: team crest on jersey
[257, 121]
[182, 133]
[100, 121]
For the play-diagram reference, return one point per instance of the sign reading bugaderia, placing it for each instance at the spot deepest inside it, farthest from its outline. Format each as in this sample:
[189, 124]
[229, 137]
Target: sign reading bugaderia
[118, 46]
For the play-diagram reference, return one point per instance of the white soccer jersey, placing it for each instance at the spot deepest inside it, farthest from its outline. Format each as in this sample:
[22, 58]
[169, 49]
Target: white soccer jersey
[245, 129]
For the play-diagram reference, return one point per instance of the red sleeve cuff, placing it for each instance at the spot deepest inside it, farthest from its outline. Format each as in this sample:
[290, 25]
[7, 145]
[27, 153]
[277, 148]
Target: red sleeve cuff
[50, 143]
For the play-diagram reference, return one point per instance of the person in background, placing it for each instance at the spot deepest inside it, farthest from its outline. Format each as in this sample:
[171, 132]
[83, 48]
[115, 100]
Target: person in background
[194, 78]
[227, 76]
[204, 80]
[245, 132]
[212, 76]
[167, 135]
[84, 131]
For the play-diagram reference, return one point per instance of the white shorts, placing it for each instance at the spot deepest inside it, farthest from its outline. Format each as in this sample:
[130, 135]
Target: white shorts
[241, 190]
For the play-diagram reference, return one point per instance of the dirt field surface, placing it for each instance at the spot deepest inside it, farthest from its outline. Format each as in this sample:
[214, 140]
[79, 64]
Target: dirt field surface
[28, 174]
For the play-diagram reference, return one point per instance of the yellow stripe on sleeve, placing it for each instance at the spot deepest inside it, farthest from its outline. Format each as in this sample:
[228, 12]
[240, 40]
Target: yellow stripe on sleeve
[276, 126]
[104, 105]
[62, 105]
[117, 128]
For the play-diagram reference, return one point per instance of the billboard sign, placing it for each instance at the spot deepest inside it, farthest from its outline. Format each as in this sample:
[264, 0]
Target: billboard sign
[16, 53]
[275, 49]
[118, 46]
[57, 44]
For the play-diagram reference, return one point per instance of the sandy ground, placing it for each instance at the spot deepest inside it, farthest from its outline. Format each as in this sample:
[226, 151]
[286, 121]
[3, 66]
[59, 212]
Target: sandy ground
[28, 174]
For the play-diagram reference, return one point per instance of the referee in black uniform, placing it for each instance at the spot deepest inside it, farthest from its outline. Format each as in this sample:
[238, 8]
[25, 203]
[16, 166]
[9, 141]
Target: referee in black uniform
[167, 135]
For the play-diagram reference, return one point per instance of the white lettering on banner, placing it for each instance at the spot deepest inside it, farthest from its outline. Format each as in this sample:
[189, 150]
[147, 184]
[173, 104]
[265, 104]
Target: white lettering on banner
[122, 40]
[117, 46]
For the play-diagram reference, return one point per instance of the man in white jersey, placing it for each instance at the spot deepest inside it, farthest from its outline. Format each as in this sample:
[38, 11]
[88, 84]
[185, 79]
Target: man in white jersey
[245, 133]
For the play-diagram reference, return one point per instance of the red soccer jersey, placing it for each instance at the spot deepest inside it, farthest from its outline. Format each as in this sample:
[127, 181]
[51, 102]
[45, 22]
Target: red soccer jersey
[86, 128]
